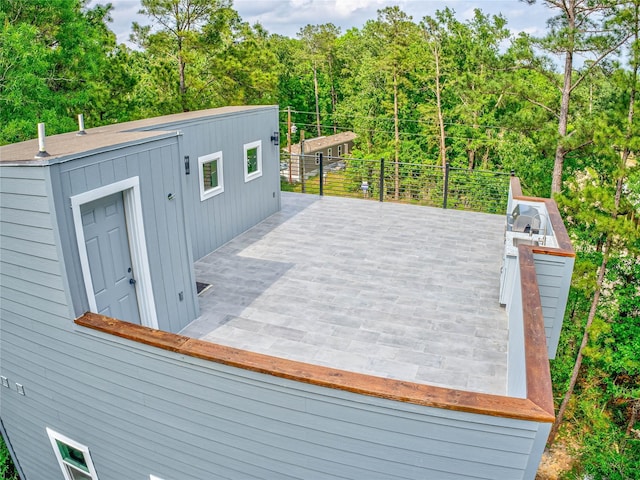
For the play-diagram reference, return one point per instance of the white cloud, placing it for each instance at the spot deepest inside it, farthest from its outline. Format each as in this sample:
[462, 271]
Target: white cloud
[287, 17]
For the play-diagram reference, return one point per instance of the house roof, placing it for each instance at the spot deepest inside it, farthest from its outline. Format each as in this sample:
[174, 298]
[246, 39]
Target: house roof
[320, 143]
[70, 145]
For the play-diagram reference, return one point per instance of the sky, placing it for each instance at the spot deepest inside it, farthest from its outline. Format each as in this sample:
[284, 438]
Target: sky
[287, 17]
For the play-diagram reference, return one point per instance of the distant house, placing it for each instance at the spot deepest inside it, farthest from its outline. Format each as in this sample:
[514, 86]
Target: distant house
[338, 338]
[332, 148]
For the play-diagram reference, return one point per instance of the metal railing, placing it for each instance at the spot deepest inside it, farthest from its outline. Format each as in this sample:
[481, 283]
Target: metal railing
[446, 187]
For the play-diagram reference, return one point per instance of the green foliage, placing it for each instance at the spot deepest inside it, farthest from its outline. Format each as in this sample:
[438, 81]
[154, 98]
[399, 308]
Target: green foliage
[7, 469]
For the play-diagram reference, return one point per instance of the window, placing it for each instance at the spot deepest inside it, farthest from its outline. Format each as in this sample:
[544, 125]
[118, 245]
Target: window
[346, 148]
[317, 158]
[329, 152]
[252, 160]
[211, 181]
[339, 150]
[74, 458]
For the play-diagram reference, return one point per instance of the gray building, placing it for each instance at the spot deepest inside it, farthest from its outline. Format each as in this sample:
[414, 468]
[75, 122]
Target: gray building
[333, 149]
[291, 365]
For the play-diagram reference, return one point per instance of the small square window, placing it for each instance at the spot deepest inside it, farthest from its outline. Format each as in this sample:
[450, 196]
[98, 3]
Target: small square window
[252, 160]
[211, 179]
[74, 459]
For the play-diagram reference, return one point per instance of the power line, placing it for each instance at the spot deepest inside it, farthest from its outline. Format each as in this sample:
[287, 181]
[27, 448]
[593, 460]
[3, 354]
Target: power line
[389, 132]
[388, 119]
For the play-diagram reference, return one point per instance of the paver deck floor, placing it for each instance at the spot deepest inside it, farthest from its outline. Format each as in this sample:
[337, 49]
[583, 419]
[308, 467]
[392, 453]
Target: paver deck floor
[393, 290]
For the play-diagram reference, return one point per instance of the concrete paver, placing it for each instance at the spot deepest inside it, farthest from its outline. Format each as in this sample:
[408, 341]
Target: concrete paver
[393, 290]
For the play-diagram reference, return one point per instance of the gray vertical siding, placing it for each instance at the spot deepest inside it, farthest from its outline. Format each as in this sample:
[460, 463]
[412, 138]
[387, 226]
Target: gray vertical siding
[159, 168]
[554, 280]
[217, 220]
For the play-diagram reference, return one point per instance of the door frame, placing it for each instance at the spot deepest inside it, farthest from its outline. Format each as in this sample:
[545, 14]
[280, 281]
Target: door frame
[130, 189]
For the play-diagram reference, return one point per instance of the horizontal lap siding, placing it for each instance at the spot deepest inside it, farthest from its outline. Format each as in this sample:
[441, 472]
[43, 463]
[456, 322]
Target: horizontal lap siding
[554, 277]
[156, 412]
[31, 289]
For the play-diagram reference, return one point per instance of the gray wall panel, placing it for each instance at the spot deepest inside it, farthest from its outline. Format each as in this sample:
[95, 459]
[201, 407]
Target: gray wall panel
[215, 221]
[554, 278]
[243, 423]
[158, 165]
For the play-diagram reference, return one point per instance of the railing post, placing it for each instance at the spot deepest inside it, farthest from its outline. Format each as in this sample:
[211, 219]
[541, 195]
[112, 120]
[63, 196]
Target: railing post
[302, 160]
[382, 180]
[446, 185]
[321, 176]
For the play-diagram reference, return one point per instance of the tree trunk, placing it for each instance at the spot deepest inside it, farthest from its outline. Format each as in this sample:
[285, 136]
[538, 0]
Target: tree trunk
[603, 267]
[472, 157]
[183, 83]
[315, 88]
[585, 339]
[334, 99]
[556, 181]
[635, 408]
[397, 135]
[443, 151]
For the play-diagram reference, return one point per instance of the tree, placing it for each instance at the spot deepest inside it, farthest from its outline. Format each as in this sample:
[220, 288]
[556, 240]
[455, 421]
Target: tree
[396, 33]
[319, 53]
[180, 33]
[581, 27]
[593, 202]
[54, 56]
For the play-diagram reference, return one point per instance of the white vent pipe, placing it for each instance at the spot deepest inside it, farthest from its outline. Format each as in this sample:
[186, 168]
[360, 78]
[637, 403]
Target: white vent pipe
[81, 125]
[42, 151]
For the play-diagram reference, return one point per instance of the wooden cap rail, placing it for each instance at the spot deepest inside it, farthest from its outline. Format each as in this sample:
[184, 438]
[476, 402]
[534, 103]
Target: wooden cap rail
[538, 407]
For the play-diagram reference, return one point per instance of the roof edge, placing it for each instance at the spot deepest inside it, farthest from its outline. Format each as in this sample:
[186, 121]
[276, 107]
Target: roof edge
[526, 409]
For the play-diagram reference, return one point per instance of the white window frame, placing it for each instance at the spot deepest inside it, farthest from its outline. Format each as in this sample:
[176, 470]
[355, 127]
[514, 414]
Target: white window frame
[211, 192]
[55, 437]
[329, 152]
[130, 189]
[317, 158]
[339, 150]
[346, 148]
[258, 173]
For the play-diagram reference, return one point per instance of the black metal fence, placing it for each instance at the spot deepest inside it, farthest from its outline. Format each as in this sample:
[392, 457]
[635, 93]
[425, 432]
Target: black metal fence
[446, 187]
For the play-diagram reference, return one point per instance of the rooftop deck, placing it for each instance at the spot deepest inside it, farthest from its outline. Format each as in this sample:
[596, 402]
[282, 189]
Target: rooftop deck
[391, 290]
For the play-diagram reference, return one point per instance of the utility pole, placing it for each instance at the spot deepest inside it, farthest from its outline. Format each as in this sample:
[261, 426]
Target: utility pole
[289, 140]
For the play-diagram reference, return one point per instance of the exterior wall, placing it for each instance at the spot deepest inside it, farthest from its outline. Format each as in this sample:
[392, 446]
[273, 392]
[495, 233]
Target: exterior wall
[215, 221]
[145, 411]
[160, 170]
[32, 290]
[516, 363]
[554, 279]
